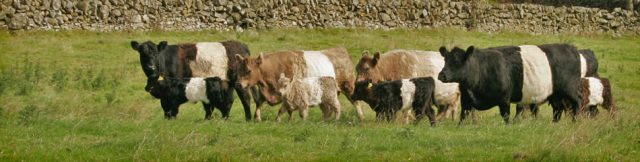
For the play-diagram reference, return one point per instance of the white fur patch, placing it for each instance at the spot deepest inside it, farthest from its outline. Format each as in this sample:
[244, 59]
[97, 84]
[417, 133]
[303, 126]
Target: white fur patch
[407, 91]
[537, 81]
[315, 92]
[196, 90]
[431, 62]
[318, 65]
[583, 66]
[211, 60]
[444, 91]
[595, 91]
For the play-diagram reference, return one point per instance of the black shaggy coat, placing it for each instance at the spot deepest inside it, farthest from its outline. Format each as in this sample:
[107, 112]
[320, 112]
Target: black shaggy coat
[385, 98]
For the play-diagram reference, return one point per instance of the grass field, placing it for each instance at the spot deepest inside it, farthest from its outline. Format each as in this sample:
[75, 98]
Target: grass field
[78, 96]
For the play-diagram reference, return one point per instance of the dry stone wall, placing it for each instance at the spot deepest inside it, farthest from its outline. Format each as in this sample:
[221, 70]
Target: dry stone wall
[110, 15]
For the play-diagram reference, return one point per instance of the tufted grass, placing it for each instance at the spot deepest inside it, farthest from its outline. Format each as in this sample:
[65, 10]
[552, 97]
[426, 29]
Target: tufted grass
[78, 96]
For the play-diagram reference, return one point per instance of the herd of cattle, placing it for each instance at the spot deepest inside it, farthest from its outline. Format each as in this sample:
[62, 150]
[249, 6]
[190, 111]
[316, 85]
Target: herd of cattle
[398, 80]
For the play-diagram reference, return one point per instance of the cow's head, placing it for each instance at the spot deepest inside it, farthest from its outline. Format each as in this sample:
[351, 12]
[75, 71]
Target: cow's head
[285, 83]
[366, 67]
[455, 60]
[362, 90]
[158, 89]
[168, 90]
[148, 52]
[249, 72]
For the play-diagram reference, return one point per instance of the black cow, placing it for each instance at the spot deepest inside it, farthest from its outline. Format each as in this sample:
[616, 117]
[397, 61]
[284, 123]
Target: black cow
[214, 59]
[588, 68]
[525, 74]
[388, 97]
[212, 92]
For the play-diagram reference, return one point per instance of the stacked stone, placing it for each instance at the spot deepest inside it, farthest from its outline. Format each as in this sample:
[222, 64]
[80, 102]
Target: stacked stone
[114, 15]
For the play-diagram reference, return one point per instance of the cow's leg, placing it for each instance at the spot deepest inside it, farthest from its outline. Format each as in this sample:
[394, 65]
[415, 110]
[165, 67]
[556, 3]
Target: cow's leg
[259, 99]
[347, 91]
[358, 107]
[380, 116]
[504, 112]
[225, 108]
[465, 108]
[243, 94]
[442, 111]
[327, 111]
[290, 112]
[407, 114]
[430, 113]
[166, 108]
[175, 110]
[392, 115]
[593, 111]
[170, 108]
[282, 110]
[304, 112]
[519, 109]
[575, 105]
[208, 108]
[337, 109]
[453, 108]
[534, 110]
[558, 108]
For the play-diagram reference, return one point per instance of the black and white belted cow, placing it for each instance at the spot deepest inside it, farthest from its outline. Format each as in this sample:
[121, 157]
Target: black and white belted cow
[588, 68]
[524, 74]
[203, 59]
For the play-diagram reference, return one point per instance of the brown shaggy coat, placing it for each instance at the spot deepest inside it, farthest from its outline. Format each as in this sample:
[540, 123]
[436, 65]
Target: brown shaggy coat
[589, 101]
[265, 71]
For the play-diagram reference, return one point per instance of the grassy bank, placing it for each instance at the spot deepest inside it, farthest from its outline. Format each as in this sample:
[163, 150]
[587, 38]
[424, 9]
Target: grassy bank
[70, 96]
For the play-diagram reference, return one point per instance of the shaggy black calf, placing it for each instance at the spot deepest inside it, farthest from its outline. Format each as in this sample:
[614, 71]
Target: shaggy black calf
[212, 92]
[524, 74]
[388, 97]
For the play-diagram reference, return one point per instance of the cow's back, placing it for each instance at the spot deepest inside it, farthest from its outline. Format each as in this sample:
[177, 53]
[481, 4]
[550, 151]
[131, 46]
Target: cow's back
[565, 67]
[289, 63]
[343, 65]
[590, 63]
[429, 63]
[404, 64]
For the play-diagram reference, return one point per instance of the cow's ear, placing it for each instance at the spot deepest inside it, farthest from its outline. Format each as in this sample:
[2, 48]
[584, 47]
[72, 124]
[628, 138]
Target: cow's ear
[365, 54]
[134, 45]
[468, 52]
[162, 45]
[259, 60]
[240, 58]
[443, 51]
[376, 57]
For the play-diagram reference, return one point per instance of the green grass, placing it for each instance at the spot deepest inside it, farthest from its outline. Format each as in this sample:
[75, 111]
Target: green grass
[78, 96]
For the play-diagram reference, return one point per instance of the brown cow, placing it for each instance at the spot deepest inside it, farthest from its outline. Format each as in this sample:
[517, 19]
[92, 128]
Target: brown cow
[406, 64]
[265, 71]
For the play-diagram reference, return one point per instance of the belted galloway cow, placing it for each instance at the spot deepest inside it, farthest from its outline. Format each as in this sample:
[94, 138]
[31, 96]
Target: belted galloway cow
[526, 74]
